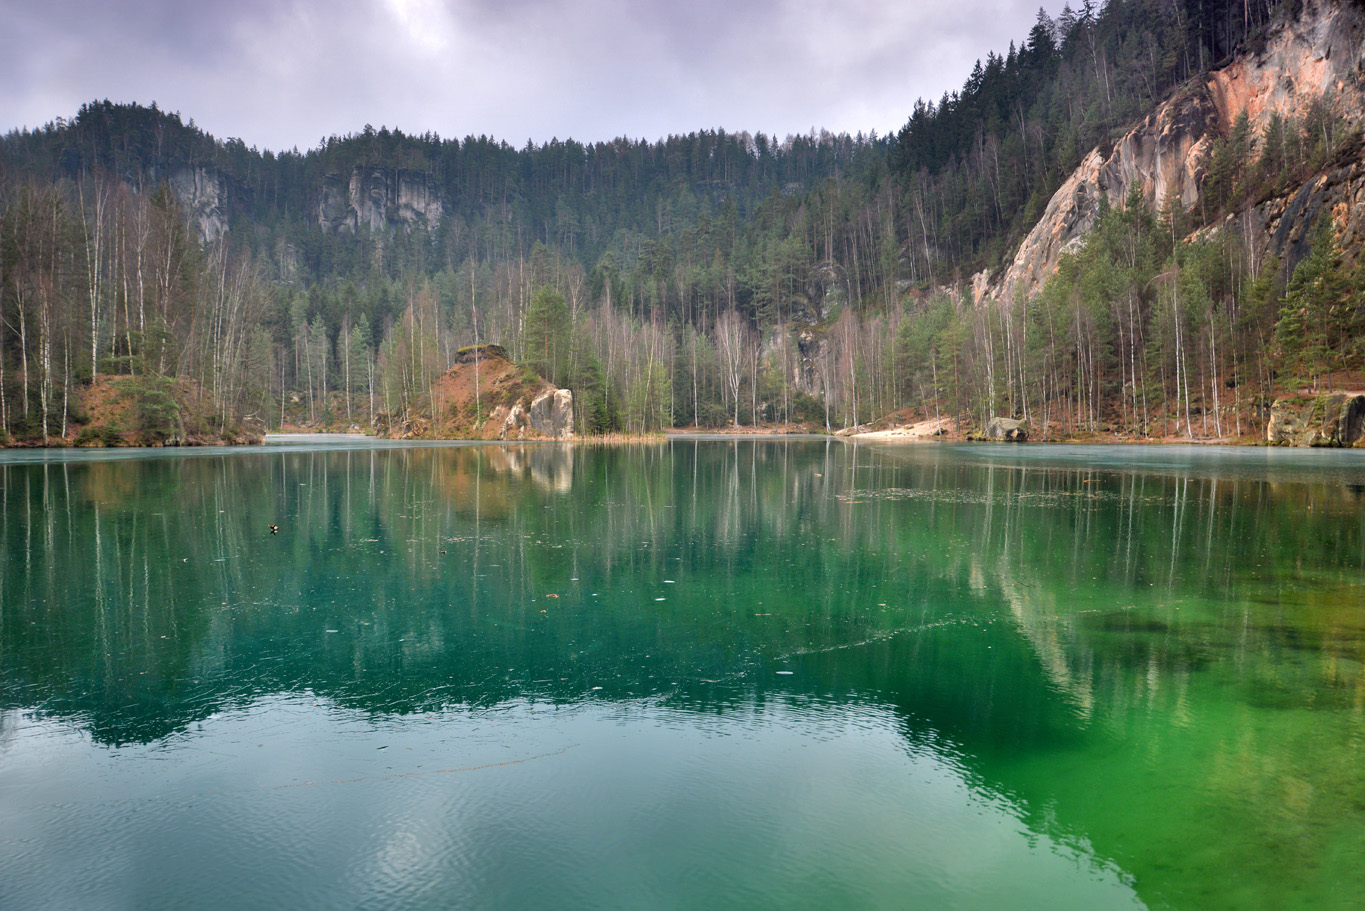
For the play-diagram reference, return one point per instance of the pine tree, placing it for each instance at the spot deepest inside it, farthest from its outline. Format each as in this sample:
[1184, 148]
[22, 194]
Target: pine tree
[1318, 311]
[547, 334]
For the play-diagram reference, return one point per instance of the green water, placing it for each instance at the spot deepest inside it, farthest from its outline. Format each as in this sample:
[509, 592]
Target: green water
[738, 674]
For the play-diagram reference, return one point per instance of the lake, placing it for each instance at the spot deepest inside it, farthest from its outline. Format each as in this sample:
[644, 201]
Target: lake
[697, 674]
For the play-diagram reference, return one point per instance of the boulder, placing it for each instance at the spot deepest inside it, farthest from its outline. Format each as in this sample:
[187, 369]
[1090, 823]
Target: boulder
[1329, 420]
[549, 415]
[1007, 429]
[1343, 420]
[1284, 426]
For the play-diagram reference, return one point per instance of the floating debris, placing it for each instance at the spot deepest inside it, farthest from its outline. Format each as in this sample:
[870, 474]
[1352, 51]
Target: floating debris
[1044, 498]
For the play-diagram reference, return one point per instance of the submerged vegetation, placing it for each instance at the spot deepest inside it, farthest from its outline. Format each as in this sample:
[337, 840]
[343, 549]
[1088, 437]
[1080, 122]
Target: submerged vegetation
[701, 280]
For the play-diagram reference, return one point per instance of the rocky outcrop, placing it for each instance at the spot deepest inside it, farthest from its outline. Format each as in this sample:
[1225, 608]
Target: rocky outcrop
[811, 351]
[551, 414]
[1007, 430]
[1283, 226]
[1319, 55]
[377, 198]
[486, 396]
[1329, 420]
[1285, 425]
[826, 288]
[548, 416]
[806, 314]
[1162, 156]
[202, 196]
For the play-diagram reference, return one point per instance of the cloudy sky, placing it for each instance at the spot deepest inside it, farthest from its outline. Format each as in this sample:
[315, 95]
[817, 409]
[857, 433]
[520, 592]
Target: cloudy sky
[286, 73]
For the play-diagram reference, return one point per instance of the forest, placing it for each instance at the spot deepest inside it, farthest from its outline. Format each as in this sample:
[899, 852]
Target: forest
[702, 280]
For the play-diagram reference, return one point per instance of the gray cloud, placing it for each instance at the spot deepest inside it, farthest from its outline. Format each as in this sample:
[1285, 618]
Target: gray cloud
[287, 73]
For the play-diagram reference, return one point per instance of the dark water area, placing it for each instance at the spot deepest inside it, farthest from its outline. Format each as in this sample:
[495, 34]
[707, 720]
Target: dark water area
[697, 674]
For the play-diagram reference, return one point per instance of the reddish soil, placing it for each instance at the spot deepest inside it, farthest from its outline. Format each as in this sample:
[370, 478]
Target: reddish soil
[106, 413]
[456, 413]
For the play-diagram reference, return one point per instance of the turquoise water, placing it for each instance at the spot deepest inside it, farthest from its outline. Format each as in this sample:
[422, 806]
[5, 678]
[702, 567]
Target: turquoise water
[719, 674]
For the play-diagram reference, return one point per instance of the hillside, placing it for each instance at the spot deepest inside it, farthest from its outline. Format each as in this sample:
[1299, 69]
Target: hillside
[1114, 229]
[116, 411]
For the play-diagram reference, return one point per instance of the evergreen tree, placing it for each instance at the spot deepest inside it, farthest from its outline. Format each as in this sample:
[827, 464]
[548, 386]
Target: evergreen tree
[547, 340]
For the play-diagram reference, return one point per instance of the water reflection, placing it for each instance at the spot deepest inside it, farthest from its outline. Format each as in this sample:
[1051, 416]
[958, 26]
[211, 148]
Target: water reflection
[1130, 655]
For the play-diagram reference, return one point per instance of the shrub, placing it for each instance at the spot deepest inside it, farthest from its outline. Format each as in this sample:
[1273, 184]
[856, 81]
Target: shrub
[157, 412]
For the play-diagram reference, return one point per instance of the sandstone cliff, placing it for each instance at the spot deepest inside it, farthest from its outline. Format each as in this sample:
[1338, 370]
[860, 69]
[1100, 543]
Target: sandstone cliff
[204, 198]
[376, 198]
[1283, 226]
[373, 198]
[1163, 155]
[1318, 55]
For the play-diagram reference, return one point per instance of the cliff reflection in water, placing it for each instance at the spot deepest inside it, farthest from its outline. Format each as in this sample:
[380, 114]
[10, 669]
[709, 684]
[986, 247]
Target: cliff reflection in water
[1143, 657]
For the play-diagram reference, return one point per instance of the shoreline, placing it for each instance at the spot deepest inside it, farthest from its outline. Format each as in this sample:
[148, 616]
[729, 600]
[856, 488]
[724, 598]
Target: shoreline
[931, 431]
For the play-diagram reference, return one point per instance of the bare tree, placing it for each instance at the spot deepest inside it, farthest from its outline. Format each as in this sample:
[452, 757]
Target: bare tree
[732, 342]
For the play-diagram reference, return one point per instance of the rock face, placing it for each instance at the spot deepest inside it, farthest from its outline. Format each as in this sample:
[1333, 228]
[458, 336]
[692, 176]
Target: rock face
[811, 351]
[202, 196]
[1163, 156]
[1284, 426]
[1283, 227]
[377, 198]
[1329, 420]
[1318, 55]
[552, 414]
[1008, 430]
[549, 415]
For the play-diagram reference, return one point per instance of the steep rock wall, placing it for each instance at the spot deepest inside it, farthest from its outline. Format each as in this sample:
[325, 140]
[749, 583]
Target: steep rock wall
[377, 198]
[1283, 227]
[549, 415]
[203, 197]
[1163, 156]
[1318, 55]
